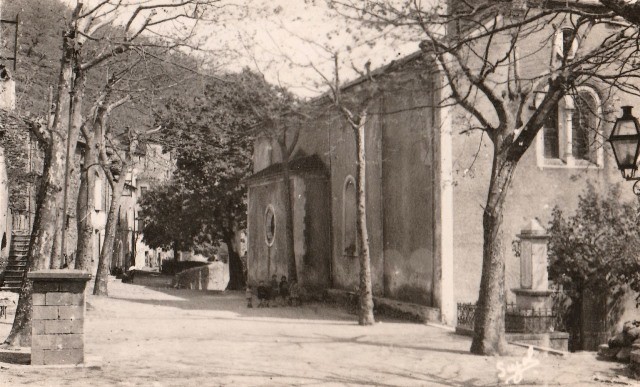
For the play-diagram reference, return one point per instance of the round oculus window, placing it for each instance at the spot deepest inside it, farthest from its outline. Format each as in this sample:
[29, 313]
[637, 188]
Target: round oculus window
[270, 225]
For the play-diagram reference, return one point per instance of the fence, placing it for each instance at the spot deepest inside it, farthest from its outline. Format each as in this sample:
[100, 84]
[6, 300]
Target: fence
[516, 320]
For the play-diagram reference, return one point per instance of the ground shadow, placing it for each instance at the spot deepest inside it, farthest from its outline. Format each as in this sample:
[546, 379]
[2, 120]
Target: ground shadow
[360, 340]
[276, 377]
[15, 356]
[234, 301]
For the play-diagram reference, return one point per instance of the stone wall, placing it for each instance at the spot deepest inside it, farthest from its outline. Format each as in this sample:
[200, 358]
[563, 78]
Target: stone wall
[58, 317]
[214, 276]
[401, 165]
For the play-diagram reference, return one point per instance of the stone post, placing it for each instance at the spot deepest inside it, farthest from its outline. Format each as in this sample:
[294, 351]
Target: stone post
[57, 327]
[534, 281]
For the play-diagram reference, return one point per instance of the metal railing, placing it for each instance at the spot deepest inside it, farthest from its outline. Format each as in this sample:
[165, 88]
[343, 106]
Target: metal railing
[517, 320]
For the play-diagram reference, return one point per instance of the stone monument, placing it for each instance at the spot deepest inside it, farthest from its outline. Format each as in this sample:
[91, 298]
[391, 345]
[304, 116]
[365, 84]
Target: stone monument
[534, 290]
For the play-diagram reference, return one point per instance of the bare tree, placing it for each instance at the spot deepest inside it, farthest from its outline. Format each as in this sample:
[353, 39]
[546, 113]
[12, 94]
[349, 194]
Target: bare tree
[124, 164]
[481, 48]
[356, 111]
[84, 29]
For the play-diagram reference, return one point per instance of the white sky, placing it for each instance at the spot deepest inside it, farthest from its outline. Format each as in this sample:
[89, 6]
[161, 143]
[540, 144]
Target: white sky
[280, 38]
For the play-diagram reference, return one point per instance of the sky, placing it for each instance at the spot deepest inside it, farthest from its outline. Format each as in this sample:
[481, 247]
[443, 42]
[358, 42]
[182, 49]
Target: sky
[290, 41]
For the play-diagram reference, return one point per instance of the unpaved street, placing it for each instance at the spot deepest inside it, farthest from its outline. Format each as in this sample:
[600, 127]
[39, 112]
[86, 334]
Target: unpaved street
[158, 336]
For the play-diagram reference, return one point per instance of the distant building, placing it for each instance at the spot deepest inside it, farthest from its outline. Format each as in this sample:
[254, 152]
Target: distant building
[151, 167]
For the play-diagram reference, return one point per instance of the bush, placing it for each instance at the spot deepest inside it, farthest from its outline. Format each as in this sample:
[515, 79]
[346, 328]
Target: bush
[171, 267]
[594, 251]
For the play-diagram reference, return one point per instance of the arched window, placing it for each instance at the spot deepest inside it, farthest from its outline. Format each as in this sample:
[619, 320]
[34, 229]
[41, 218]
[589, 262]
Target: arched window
[270, 225]
[349, 218]
[571, 132]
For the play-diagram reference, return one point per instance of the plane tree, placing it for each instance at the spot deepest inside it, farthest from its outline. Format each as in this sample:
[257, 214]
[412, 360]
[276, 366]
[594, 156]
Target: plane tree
[211, 136]
[487, 52]
[87, 45]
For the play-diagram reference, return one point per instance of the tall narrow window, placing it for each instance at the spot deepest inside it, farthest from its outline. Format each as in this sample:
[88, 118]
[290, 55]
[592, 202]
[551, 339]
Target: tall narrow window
[349, 218]
[565, 46]
[584, 126]
[551, 135]
[569, 43]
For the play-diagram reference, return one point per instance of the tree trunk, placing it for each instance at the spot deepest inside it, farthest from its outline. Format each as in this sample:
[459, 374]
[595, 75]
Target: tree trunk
[236, 274]
[44, 227]
[70, 163]
[176, 251]
[84, 210]
[104, 262]
[365, 315]
[489, 337]
[86, 199]
[56, 261]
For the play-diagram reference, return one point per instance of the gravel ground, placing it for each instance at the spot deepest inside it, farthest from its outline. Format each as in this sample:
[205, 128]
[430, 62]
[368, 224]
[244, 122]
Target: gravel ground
[153, 335]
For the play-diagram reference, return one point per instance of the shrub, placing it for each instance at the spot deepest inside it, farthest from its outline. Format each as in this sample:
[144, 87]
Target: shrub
[596, 251]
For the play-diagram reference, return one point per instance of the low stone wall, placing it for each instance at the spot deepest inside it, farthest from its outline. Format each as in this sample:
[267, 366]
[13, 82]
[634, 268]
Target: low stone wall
[214, 276]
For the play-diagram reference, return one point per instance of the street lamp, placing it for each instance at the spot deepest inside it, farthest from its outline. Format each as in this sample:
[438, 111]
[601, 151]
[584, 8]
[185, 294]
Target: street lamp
[625, 141]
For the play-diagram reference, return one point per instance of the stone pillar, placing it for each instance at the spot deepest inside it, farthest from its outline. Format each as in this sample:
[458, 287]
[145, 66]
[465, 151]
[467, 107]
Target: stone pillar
[57, 331]
[534, 281]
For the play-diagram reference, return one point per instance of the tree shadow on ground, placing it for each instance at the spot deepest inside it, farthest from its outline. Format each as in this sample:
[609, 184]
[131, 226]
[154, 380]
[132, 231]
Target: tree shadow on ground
[376, 378]
[620, 374]
[13, 356]
[235, 302]
[366, 340]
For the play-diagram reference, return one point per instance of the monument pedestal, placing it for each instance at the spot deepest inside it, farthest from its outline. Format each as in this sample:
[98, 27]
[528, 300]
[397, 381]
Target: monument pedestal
[57, 326]
[533, 299]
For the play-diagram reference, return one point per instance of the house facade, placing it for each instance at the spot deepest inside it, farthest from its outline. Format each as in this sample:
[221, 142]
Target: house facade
[427, 178]
[151, 167]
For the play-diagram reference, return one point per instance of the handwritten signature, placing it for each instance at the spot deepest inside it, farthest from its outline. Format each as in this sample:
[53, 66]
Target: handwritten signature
[514, 373]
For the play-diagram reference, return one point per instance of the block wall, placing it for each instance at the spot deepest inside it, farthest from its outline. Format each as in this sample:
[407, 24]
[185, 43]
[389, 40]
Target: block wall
[58, 323]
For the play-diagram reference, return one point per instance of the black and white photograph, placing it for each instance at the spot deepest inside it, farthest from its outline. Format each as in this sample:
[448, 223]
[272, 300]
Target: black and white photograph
[319, 193]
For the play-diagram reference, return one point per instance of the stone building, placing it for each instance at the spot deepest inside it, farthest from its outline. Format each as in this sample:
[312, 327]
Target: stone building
[151, 167]
[427, 181]
[404, 195]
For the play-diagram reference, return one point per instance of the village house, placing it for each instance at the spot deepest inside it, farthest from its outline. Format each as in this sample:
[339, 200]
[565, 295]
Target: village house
[18, 189]
[427, 180]
[151, 167]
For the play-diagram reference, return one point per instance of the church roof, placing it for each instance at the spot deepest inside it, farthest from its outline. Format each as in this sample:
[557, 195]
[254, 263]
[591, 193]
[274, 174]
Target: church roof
[300, 165]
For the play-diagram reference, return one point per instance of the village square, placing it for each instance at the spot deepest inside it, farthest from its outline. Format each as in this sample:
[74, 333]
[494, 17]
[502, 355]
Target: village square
[329, 192]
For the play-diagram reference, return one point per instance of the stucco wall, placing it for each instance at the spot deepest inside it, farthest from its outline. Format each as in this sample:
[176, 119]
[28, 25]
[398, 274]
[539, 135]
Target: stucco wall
[536, 187]
[346, 268]
[400, 188]
[264, 260]
[311, 230]
[408, 195]
[534, 193]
